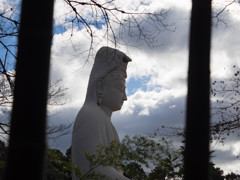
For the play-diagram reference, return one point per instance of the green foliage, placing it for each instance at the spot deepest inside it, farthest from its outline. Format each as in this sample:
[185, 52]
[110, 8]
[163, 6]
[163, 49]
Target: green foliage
[232, 176]
[215, 172]
[168, 167]
[152, 153]
[157, 152]
[58, 166]
[143, 150]
[134, 170]
[136, 152]
[135, 155]
[88, 175]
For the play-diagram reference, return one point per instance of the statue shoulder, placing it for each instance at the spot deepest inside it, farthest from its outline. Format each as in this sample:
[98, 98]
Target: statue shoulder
[89, 116]
[90, 112]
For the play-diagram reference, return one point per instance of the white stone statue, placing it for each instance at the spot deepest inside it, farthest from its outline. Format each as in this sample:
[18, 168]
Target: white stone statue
[105, 94]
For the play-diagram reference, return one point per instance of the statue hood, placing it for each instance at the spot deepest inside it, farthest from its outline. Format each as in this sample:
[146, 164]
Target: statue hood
[106, 60]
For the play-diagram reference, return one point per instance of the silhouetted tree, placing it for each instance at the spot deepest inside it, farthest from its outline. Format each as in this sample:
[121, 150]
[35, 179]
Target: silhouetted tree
[56, 97]
[215, 173]
[226, 105]
[58, 166]
[134, 170]
[232, 176]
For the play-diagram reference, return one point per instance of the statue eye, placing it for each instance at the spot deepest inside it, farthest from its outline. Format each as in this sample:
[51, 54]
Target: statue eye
[119, 87]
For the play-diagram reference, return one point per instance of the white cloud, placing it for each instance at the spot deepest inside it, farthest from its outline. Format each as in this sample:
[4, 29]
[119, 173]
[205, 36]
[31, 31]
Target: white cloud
[5, 5]
[232, 146]
[9, 8]
[236, 149]
[144, 112]
[143, 100]
[172, 106]
[61, 12]
[226, 156]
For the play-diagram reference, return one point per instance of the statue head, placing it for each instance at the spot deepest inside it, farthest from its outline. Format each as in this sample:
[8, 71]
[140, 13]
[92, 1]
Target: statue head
[107, 79]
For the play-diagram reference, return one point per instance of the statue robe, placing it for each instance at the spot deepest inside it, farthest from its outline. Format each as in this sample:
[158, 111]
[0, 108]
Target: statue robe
[92, 128]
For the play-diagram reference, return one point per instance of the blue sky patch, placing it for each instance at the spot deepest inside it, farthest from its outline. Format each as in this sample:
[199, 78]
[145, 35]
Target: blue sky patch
[81, 23]
[7, 57]
[59, 29]
[137, 83]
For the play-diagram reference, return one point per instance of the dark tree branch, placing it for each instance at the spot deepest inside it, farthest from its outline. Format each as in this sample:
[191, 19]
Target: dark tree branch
[226, 106]
[109, 15]
[224, 8]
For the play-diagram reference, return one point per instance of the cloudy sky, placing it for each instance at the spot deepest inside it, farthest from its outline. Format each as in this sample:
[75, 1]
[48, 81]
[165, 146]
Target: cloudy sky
[156, 83]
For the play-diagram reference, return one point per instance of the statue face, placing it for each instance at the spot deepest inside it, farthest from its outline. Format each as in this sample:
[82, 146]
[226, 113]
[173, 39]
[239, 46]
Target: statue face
[114, 93]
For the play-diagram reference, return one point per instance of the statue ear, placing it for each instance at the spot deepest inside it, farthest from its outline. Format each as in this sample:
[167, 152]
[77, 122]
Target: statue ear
[99, 91]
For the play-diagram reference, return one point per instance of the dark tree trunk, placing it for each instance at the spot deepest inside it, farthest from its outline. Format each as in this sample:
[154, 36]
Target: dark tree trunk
[27, 137]
[196, 157]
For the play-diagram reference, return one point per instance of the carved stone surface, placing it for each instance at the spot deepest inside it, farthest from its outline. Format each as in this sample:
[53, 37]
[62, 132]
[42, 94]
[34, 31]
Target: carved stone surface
[105, 94]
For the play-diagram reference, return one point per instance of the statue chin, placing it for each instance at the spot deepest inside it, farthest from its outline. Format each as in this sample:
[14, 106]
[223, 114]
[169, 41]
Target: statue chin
[93, 126]
[118, 107]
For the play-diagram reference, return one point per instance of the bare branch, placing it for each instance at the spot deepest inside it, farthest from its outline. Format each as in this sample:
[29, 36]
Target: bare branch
[56, 131]
[226, 108]
[118, 22]
[224, 8]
